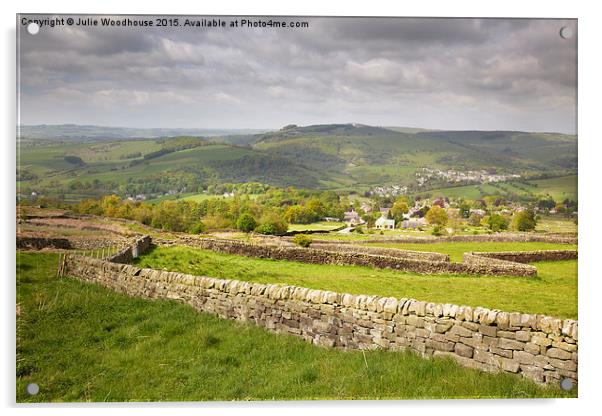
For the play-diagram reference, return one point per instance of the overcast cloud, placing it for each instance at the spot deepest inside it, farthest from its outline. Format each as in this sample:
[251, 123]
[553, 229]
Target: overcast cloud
[434, 73]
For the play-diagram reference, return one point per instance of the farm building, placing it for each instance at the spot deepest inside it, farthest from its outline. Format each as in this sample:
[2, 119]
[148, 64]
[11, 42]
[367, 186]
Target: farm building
[383, 223]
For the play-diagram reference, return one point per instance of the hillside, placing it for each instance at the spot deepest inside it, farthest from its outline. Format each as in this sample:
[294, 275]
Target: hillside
[332, 156]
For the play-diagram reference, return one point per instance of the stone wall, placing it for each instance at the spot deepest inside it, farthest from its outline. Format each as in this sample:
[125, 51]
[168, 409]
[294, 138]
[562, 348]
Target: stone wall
[138, 247]
[38, 243]
[502, 237]
[424, 265]
[541, 348]
[382, 251]
[530, 256]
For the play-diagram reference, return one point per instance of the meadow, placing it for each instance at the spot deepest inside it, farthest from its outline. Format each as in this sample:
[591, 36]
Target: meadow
[553, 292]
[560, 188]
[83, 342]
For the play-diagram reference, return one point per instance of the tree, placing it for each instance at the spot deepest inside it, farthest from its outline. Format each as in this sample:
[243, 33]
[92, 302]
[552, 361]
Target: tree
[496, 222]
[246, 223]
[546, 203]
[465, 210]
[272, 224]
[436, 216]
[475, 219]
[197, 228]
[524, 221]
[398, 210]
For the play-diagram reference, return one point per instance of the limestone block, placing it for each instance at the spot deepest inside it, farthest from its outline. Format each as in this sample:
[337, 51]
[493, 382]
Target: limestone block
[558, 353]
[509, 344]
[461, 331]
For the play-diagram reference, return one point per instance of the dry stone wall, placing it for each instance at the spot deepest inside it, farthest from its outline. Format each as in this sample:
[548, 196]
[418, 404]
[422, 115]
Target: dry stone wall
[530, 256]
[541, 348]
[413, 263]
[138, 247]
[503, 237]
[38, 243]
[381, 251]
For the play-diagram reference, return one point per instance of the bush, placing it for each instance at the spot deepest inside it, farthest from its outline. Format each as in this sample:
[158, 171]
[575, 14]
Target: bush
[197, 228]
[272, 224]
[359, 230]
[302, 240]
[246, 223]
[524, 221]
[496, 222]
[437, 230]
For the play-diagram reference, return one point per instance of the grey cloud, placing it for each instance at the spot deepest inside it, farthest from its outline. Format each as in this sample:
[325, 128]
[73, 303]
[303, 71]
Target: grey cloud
[437, 73]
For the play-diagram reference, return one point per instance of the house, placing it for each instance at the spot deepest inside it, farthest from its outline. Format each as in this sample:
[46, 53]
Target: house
[366, 207]
[383, 223]
[331, 219]
[352, 217]
[413, 223]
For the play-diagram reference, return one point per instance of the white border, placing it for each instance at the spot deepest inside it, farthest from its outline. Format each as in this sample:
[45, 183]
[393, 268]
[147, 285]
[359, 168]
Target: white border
[589, 124]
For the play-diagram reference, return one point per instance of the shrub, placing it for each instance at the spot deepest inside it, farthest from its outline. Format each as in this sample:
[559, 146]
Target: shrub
[197, 228]
[437, 230]
[524, 221]
[359, 230]
[436, 216]
[272, 224]
[246, 222]
[496, 222]
[302, 240]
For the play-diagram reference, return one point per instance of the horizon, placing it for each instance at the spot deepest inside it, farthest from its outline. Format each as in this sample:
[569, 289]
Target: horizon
[281, 127]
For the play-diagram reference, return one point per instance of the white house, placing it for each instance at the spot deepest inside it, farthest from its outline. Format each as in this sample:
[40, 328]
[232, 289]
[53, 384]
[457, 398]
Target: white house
[383, 223]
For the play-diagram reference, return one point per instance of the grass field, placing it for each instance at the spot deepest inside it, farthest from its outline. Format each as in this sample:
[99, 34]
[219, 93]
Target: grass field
[553, 292]
[559, 188]
[457, 249]
[556, 224]
[322, 225]
[83, 342]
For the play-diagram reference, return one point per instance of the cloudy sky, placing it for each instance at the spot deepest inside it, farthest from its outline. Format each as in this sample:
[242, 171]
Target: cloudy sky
[434, 73]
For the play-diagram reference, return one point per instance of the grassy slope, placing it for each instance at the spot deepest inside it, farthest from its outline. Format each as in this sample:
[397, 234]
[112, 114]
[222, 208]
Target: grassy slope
[553, 292]
[559, 188]
[457, 249]
[82, 342]
[321, 225]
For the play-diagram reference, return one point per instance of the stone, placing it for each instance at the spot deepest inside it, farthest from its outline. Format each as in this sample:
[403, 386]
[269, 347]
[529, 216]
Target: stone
[515, 319]
[558, 353]
[439, 346]
[510, 365]
[532, 348]
[443, 328]
[506, 334]
[461, 331]
[471, 325]
[485, 357]
[463, 350]
[390, 305]
[541, 340]
[524, 336]
[502, 320]
[564, 346]
[562, 364]
[523, 357]
[488, 330]
[510, 344]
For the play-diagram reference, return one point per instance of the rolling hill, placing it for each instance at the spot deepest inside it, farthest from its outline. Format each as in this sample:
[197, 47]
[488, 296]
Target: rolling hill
[331, 156]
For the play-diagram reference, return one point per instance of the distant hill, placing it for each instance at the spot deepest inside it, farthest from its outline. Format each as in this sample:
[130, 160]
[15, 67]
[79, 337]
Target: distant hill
[75, 132]
[327, 156]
